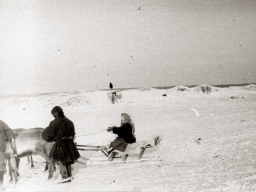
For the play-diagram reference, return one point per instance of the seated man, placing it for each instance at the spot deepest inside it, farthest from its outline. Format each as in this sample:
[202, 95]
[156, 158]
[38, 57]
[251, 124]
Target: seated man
[125, 136]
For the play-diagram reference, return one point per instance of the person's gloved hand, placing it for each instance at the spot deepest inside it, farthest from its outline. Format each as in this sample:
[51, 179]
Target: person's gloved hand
[110, 129]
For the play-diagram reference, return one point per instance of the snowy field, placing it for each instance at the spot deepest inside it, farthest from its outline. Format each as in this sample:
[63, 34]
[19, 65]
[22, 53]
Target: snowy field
[208, 140]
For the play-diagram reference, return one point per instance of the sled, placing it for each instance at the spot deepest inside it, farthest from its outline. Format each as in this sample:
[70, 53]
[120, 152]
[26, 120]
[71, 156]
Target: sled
[130, 151]
[135, 153]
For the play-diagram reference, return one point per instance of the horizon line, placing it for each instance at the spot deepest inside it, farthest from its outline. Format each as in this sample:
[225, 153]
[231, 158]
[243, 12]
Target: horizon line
[119, 89]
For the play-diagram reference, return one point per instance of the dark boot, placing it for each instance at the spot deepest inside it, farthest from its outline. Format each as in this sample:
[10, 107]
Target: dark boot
[68, 167]
[65, 171]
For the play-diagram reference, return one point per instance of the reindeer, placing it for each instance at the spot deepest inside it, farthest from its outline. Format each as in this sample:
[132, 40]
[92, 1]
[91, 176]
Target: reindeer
[29, 142]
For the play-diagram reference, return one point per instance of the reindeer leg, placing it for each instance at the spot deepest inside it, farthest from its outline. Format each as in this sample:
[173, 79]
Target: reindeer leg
[10, 170]
[28, 159]
[46, 166]
[32, 164]
[17, 160]
[51, 168]
[54, 167]
[5, 164]
[14, 168]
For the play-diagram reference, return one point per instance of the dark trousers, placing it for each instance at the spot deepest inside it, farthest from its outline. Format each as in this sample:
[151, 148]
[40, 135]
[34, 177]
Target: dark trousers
[119, 144]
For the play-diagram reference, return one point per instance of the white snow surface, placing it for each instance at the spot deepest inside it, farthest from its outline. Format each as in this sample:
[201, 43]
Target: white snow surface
[208, 141]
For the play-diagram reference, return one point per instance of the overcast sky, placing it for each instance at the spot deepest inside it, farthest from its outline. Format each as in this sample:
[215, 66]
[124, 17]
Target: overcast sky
[66, 45]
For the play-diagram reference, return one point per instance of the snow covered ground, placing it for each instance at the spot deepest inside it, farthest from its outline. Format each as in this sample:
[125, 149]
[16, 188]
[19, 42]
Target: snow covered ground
[208, 140]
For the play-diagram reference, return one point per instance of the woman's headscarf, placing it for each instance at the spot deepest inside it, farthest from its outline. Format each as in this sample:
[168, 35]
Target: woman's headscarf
[127, 119]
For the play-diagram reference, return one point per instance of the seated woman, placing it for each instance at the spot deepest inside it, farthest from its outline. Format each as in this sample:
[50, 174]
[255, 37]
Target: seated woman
[125, 136]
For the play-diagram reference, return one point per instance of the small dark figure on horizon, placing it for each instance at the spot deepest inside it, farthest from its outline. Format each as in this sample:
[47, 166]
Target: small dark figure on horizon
[110, 85]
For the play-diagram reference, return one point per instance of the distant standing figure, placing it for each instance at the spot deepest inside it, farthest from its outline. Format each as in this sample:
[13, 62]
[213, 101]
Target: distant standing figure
[125, 136]
[61, 130]
[110, 85]
[113, 98]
